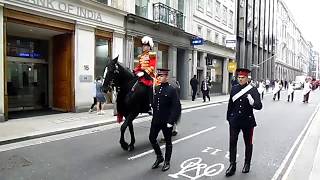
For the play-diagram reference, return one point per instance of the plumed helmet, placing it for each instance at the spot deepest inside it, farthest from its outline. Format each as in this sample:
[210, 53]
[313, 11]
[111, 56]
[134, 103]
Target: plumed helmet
[147, 40]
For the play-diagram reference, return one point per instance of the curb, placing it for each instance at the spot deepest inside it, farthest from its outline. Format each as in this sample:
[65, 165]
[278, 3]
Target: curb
[20, 139]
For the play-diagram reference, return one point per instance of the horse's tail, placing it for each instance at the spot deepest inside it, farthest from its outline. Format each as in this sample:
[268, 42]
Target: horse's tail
[179, 114]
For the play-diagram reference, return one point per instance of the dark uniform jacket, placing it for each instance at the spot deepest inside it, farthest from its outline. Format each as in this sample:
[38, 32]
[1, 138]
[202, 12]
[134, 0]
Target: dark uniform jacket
[240, 112]
[166, 105]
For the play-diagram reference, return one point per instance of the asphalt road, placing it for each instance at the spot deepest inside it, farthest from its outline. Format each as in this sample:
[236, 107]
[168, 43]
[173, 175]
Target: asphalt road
[200, 150]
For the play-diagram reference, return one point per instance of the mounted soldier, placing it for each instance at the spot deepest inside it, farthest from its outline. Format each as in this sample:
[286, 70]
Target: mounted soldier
[145, 71]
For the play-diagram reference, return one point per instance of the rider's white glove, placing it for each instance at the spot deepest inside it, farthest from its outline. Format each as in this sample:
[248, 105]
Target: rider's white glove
[169, 125]
[251, 100]
[140, 74]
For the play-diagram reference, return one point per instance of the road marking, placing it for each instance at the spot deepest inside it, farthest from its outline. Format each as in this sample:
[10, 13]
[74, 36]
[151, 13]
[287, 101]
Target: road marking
[286, 174]
[73, 134]
[201, 107]
[285, 161]
[199, 169]
[174, 142]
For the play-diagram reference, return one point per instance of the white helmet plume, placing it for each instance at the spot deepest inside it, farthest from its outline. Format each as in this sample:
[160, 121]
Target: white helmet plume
[147, 40]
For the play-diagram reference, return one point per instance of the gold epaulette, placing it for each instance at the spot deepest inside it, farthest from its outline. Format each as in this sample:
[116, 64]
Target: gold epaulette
[152, 54]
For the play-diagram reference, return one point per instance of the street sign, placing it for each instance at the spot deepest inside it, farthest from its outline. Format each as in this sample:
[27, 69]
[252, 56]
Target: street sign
[231, 41]
[197, 41]
[232, 66]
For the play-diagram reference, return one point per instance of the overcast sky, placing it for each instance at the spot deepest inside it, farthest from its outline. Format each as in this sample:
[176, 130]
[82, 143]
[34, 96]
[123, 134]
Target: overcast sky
[307, 15]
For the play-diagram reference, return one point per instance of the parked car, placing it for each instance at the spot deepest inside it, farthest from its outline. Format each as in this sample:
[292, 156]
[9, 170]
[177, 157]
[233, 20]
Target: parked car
[297, 85]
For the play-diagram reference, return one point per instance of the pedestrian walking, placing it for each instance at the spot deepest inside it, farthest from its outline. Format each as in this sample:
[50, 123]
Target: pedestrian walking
[290, 91]
[93, 88]
[194, 85]
[205, 84]
[261, 88]
[285, 84]
[267, 85]
[166, 112]
[101, 99]
[277, 90]
[243, 99]
[307, 87]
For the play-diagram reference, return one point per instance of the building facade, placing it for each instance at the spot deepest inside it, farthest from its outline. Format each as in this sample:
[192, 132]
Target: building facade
[314, 66]
[256, 30]
[292, 50]
[51, 51]
[213, 21]
[166, 22]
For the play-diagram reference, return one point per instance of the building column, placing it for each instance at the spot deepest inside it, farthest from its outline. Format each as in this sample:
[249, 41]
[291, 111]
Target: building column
[129, 52]
[118, 46]
[194, 61]
[172, 63]
[225, 79]
[84, 66]
[2, 65]
[203, 64]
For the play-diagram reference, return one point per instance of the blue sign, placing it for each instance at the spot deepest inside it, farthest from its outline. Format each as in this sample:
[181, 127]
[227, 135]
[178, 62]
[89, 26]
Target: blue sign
[27, 54]
[197, 41]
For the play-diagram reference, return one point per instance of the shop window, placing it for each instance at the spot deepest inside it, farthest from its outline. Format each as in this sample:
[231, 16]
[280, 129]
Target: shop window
[102, 53]
[162, 54]
[27, 48]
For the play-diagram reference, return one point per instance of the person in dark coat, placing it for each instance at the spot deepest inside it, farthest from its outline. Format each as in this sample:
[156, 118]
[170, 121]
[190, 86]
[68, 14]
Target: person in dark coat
[243, 99]
[205, 88]
[166, 112]
[194, 85]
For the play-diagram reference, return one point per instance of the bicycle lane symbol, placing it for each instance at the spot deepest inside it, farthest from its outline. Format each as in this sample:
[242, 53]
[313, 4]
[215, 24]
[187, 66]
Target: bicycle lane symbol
[198, 169]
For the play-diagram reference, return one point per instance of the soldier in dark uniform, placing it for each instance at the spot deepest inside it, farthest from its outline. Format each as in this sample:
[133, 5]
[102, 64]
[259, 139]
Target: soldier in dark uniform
[166, 112]
[243, 99]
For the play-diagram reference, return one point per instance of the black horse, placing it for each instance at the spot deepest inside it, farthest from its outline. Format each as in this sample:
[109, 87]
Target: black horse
[131, 98]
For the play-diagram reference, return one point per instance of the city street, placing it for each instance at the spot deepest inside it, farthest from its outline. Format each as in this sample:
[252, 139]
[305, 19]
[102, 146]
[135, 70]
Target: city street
[200, 149]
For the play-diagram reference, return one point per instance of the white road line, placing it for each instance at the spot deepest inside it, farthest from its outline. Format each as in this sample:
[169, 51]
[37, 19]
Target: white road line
[286, 174]
[174, 142]
[284, 162]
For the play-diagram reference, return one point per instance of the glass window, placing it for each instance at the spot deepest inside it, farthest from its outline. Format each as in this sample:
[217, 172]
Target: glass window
[200, 5]
[262, 15]
[199, 31]
[249, 20]
[217, 12]
[224, 15]
[241, 18]
[209, 7]
[256, 21]
[181, 5]
[230, 21]
[102, 52]
[224, 40]
[107, 2]
[27, 48]
[209, 34]
[216, 37]
[141, 8]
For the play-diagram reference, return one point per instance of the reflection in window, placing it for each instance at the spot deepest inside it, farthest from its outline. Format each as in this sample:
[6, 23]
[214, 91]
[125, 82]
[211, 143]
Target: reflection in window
[27, 48]
[102, 53]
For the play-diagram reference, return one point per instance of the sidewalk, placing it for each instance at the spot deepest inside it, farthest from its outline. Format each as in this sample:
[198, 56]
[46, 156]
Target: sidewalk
[305, 163]
[22, 129]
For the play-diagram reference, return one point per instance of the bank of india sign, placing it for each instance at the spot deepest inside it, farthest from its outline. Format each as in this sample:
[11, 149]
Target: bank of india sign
[66, 7]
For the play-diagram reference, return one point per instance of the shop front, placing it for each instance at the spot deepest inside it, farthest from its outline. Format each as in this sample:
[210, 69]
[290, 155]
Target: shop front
[52, 54]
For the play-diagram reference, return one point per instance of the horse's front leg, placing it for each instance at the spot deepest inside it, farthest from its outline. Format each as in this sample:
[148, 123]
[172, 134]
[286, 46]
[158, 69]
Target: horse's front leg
[123, 128]
[130, 124]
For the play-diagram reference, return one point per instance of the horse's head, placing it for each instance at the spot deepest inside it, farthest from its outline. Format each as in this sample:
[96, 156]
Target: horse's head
[111, 72]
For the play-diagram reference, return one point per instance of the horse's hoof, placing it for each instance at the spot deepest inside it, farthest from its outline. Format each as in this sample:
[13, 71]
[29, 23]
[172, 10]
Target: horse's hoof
[131, 148]
[124, 146]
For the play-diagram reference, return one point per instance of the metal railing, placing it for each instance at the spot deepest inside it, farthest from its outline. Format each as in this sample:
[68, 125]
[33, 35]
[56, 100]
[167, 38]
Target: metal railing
[166, 14]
